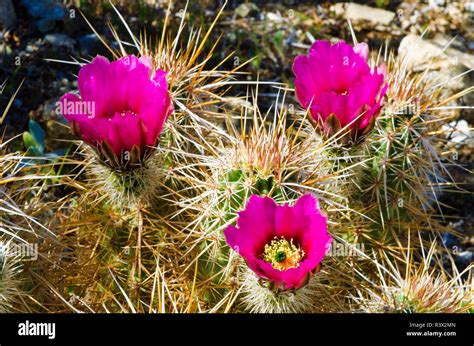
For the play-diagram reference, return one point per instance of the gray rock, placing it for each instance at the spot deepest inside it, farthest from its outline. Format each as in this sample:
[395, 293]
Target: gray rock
[447, 66]
[420, 54]
[45, 25]
[7, 14]
[245, 9]
[458, 131]
[432, 54]
[89, 44]
[60, 40]
[362, 13]
[465, 257]
[47, 12]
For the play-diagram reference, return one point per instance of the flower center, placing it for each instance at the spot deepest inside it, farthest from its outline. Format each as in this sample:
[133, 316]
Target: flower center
[280, 256]
[283, 254]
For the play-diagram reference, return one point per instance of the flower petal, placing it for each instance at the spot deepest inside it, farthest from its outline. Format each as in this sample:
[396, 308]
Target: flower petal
[336, 80]
[362, 49]
[262, 220]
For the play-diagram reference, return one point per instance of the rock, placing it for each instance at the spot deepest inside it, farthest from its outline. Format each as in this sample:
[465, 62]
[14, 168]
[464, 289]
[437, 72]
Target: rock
[274, 17]
[47, 12]
[60, 40]
[447, 67]
[458, 131]
[245, 9]
[89, 44]
[362, 13]
[421, 54]
[464, 258]
[45, 25]
[7, 14]
[454, 50]
[449, 240]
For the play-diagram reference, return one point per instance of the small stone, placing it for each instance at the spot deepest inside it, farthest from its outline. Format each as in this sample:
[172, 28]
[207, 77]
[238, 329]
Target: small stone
[458, 131]
[465, 257]
[47, 12]
[60, 40]
[7, 14]
[338, 9]
[17, 103]
[45, 25]
[419, 53]
[362, 13]
[274, 17]
[245, 9]
[89, 44]
[469, 6]
[449, 240]
[47, 9]
[30, 48]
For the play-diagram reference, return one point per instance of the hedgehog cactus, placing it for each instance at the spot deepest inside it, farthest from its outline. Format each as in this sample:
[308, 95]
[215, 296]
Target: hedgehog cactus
[212, 215]
[135, 177]
[406, 168]
[419, 288]
[397, 170]
[264, 159]
[398, 183]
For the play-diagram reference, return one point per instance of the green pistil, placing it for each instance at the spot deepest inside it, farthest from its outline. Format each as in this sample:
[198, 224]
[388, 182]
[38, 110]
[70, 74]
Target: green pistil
[280, 256]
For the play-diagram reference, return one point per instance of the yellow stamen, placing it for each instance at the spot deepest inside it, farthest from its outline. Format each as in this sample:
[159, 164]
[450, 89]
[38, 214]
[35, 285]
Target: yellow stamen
[282, 254]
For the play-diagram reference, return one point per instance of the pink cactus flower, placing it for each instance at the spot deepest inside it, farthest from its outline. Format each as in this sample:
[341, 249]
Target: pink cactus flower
[121, 109]
[338, 86]
[282, 244]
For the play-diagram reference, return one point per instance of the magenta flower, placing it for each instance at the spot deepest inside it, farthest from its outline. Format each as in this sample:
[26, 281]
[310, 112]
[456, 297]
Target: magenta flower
[282, 244]
[338, 86]
[121, 110]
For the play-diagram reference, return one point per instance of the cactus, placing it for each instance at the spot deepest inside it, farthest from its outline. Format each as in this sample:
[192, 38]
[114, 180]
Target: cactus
[418, 287]
[152, 236]
[260, 298]
[126, 190]
[404, 168]
[266, 158]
